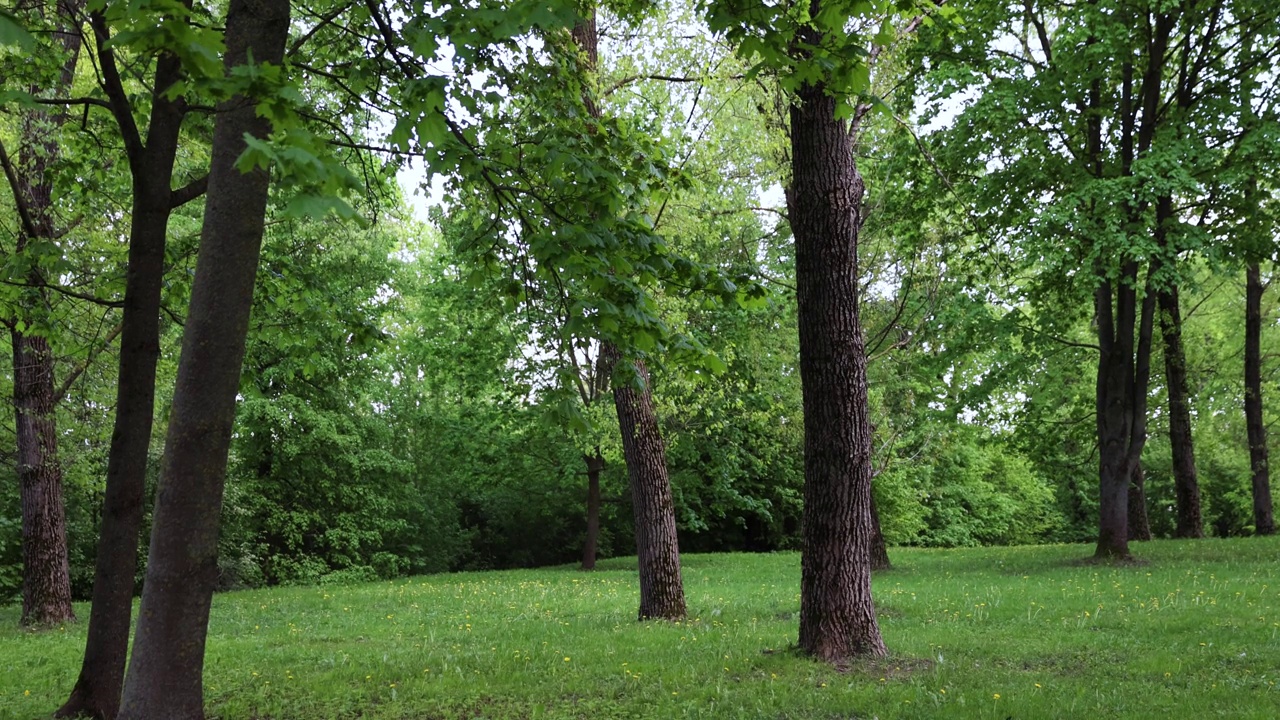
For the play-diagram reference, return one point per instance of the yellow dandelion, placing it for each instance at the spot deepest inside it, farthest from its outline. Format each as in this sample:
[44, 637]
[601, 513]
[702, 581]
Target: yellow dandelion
[996, 696]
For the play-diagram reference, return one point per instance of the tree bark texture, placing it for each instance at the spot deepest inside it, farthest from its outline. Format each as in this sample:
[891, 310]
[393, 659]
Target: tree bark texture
[657, 545]
[46, 574]
[1186, 487]
[1139, 523]
[595, 464]
[164, 678]
[824, 202]
[1263, 511]
[98, 687]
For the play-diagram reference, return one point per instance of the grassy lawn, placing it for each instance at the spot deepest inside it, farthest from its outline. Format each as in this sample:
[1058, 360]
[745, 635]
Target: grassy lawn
[984, 633]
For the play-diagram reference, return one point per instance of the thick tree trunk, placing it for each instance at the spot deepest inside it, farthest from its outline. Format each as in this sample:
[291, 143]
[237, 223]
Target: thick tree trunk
[879, 551]
[97, 690]
[46, 576]
[824, 202]
[1263, 518]
[166, 667]
[1139, 524]
[595, 463]
[657, 546]
[1186, 487]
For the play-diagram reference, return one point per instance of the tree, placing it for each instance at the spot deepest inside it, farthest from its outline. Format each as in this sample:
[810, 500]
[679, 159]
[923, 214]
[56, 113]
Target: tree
[1087, 124]
[1263, 517]
[46, 596]
[164, 674]
[151, 155]
[657, 546]
[821, 50]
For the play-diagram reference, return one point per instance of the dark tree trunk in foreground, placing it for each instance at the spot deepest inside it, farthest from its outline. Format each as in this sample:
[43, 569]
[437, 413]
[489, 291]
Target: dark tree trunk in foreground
[661, 587]
[1185, 484]
[166, 667]
[46, 575]
[1263, 518]
[879, 551]
[837, 617]
[97, 690]
[595, 463]
[1139, 524]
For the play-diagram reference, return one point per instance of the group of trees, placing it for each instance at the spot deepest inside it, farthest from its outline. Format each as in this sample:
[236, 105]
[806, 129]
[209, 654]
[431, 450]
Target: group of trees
[703, 274]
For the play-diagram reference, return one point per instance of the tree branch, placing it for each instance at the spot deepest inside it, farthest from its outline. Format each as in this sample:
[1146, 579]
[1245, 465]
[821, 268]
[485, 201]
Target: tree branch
[28, 225]
[188, 192]
[83, 365]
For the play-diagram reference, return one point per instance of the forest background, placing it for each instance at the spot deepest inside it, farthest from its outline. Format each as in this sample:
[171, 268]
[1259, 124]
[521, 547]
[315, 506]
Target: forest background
[406, 405]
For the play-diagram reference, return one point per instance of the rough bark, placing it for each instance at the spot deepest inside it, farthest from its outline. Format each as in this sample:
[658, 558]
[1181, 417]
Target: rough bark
[1139, 524]
[824, 202]
[1186, 487]
[595, 463]
[1263, 518]
[657, 546]
[164, 678]
[46, 575]
[98, 687]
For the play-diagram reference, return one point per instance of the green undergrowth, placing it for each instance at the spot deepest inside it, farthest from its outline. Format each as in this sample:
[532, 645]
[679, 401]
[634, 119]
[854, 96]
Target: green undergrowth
[1025, 632]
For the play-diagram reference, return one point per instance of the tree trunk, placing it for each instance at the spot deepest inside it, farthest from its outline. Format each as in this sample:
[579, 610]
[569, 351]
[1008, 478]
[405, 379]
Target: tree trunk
[1263, 518]
[824, 202]
[879, 551]
[1123, 374]
[165, 669]
[657, 547]
[1139, 524]
[595, 463]
[97, 690]
[1185, 485]
[46, 575]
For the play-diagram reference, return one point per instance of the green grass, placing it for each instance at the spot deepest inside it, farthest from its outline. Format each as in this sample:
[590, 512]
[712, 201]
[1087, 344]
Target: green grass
[983, 633]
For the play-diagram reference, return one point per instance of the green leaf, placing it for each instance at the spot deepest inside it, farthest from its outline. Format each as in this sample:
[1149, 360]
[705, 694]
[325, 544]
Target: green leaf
[12, 33]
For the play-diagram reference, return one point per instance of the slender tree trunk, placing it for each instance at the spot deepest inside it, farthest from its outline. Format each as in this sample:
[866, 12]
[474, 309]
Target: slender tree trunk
[879, 551]
[657, 546]
[1186, 487]
[1263, 518]
[164, 679]
[46, 578]
[824, 202]
[595, 463]
[97, 690]
[1139, 524]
